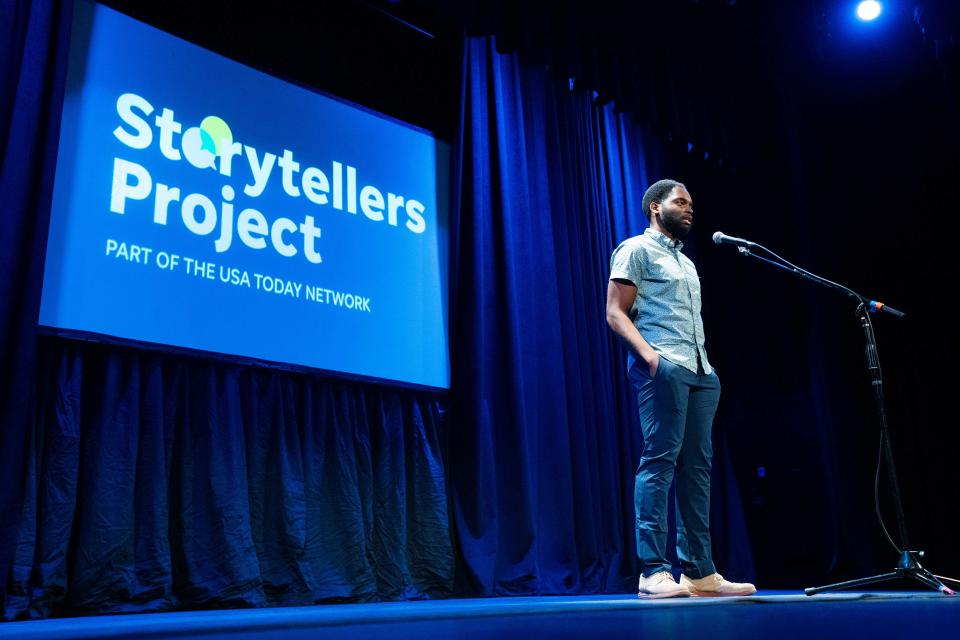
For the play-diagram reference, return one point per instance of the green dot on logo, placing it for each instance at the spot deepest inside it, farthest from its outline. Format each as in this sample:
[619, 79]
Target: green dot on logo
[218, 132]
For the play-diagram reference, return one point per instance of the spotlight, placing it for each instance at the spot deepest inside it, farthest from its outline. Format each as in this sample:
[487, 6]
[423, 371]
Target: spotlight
[869, 10]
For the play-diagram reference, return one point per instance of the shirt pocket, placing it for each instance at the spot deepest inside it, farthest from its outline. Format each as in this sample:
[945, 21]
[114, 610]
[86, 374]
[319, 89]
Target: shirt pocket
[658, 273]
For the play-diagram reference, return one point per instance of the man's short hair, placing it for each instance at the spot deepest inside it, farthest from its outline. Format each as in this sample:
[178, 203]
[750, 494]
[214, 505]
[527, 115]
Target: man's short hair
[658, 192]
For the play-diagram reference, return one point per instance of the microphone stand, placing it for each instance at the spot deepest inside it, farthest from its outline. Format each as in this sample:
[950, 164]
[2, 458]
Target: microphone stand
[909, 561]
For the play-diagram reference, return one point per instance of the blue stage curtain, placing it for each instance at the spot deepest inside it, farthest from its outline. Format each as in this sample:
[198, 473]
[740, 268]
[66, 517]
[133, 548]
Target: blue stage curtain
[34, 39]
[159, 481]
[545, 438]
[137, 481]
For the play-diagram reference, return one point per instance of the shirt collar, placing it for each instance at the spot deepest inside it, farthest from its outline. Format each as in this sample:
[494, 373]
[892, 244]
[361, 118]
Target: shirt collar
[663, 239]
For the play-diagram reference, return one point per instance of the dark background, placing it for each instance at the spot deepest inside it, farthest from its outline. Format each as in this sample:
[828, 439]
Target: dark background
[833, 142]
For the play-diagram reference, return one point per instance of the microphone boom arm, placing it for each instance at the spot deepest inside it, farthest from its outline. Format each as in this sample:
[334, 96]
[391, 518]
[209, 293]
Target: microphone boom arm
[786, 265]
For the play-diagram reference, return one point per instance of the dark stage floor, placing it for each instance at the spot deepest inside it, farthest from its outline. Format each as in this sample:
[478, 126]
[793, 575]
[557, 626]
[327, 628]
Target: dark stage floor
[780, 615]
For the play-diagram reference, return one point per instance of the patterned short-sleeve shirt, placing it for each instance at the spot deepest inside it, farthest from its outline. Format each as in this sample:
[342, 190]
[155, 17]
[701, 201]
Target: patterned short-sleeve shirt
[666, 310]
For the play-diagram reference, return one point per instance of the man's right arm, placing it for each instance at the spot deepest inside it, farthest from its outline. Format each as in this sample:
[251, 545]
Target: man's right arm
[620, 297]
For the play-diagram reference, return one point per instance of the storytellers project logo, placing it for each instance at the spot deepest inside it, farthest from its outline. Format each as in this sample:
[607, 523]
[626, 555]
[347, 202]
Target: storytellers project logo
[199, 203]
[211, 147]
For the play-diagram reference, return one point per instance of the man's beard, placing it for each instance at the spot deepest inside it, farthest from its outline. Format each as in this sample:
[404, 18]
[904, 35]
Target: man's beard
[674, 224]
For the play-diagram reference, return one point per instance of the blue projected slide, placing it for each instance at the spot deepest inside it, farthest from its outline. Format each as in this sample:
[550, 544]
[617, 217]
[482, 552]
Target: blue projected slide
[201, 204]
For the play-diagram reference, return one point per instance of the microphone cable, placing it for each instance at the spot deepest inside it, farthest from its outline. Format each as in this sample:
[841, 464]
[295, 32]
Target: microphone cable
[876, 478]
[873, 341]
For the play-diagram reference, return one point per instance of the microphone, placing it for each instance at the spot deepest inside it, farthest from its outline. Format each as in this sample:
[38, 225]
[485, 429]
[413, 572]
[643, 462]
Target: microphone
[721, 238]
[879, 307]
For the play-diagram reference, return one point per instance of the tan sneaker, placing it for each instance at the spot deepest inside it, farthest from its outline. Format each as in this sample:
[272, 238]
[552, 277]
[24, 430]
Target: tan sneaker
[714, 585]
[661, 585]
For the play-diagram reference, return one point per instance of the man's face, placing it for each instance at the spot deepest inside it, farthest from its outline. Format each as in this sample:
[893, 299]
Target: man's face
[675, 213]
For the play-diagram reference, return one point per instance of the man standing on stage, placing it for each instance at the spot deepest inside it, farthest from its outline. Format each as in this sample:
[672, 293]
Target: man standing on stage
[653, 303]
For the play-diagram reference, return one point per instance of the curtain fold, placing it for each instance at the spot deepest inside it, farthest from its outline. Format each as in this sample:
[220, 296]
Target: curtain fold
[34, 40]
[161, 482]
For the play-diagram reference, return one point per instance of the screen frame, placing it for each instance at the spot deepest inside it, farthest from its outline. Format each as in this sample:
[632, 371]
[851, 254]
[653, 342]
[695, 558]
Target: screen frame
[248, 361]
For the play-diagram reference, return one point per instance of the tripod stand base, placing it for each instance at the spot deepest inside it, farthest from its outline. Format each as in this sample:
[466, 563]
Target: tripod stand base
[909, 567]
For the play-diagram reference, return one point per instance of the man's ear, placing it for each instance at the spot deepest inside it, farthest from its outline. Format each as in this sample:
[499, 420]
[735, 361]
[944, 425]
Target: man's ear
[654, 209]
